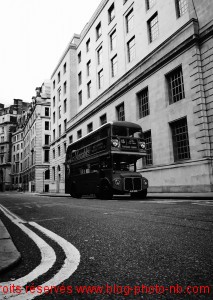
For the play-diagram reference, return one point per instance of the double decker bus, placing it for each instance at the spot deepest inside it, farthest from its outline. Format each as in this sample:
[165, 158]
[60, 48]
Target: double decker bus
[104, 162]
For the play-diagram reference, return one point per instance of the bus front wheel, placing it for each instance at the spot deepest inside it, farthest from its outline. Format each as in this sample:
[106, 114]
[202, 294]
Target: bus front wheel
[139, 195]
[74, 193]
[106, 192]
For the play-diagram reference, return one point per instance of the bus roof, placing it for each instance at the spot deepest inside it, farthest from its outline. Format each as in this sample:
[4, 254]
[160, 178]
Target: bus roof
[115, 123]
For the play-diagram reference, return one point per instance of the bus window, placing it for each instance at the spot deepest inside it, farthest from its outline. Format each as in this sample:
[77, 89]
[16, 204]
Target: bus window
[120, 131]
[124, 163]
[94, 168]
[105, 163]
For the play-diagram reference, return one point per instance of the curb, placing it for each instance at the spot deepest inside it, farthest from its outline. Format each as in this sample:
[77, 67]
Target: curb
[9, 255]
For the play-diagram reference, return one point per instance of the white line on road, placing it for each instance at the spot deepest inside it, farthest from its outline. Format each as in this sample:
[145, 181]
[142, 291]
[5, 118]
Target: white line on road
[70, 264]
[48, 256]
[51, 219]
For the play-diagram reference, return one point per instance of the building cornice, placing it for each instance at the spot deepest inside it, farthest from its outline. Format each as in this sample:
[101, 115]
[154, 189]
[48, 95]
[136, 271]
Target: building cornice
[69, 47]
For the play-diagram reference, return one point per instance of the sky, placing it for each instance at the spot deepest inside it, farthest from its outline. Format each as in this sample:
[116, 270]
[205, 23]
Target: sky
[33, 36]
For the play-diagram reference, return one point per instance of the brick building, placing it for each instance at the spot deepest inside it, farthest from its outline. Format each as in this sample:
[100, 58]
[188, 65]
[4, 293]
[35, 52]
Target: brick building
[148, 62]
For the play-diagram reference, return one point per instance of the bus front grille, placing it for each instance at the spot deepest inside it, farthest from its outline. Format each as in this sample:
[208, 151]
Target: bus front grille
[132, 184]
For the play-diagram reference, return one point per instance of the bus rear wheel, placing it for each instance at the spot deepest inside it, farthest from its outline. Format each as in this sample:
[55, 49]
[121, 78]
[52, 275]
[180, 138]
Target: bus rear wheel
[139, 195]
[106, 192]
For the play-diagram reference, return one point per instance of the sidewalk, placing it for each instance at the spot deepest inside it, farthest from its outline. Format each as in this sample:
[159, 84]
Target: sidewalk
[9, 255]
[193, 196]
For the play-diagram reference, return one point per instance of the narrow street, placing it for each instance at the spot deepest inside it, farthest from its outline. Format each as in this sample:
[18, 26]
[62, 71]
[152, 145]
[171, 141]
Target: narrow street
[145, 249]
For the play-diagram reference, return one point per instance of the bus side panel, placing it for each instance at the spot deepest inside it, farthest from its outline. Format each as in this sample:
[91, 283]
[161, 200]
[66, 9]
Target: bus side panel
[86, 184]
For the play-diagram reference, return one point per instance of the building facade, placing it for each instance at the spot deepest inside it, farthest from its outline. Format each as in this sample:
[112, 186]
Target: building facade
[31, 145]
[63, 108]
[8, 122]
[148, 62]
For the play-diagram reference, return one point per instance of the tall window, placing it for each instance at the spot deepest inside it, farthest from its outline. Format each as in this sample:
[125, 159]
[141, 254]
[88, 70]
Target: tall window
[176, 85]
[120, 112]
[150, 3]
[46, 155]
[114, 65]
[54, 118]
[53, 134]
[65, 124]
[65, 105]
[59, 151]
[103, 119]
[65, 87]
[65, 68]
[111, 12]
[143, 103]
[89, 127]
[54, 101]
[113, 39]
[59, 76]
[59, 94]
[180, 139]
[153, 28]
[80, 98]
[53, 153]
[79, 57]
[98, 31]
[47, 139]
[53, 84]
[79, 134]
[131, 49]
[59, 130]
[100, 79]
[47, 125]
[79, 78]
[129, 21]
[53, 173]
[59, 112]
[148, 141]
[70, 139]
[88, 45]
[88, 67]
[47, 111]
[100, 55]
[182, 7]
[89, 89]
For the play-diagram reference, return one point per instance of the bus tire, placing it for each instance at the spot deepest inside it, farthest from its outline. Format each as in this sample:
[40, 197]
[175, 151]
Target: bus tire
[139, 195]
[74, 193]
[106, 192]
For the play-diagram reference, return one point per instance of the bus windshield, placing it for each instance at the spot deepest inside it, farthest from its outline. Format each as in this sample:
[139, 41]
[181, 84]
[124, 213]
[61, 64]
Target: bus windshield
[127, 131]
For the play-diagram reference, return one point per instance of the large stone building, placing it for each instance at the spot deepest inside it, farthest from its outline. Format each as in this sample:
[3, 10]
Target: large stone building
[149, 62]
[31, 145]
[8, 122]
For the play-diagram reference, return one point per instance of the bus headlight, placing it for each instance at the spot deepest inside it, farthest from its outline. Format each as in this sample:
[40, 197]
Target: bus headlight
[145, 182]
[142, 145]
[117, 181]
[115, 142]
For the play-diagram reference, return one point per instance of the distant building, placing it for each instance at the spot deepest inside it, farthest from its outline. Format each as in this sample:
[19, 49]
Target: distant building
[8, 122]
[148, 62]
[31, 145]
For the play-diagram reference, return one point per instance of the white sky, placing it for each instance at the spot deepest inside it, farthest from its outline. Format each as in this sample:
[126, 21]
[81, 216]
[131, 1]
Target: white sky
[33, 37]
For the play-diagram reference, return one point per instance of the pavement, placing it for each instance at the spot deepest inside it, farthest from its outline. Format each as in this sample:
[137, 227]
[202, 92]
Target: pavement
[9, 255]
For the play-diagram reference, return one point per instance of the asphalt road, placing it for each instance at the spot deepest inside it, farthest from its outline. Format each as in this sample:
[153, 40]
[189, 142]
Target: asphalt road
[156, 249]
